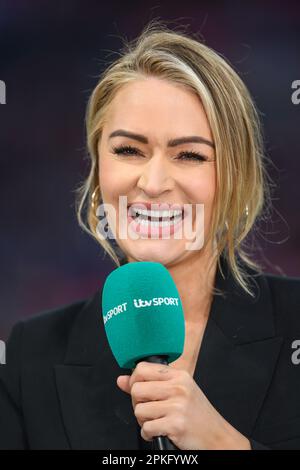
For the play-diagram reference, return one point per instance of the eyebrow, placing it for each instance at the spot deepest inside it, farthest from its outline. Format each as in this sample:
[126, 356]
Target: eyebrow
[171, 143]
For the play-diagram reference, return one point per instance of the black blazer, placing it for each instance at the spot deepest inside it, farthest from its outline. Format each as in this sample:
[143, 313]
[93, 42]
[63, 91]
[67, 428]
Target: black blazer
[58, 388]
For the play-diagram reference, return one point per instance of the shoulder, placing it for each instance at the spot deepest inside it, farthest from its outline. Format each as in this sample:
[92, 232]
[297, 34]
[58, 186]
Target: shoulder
[46, 333]
[282, 284]
[285, 295]
[57, 319]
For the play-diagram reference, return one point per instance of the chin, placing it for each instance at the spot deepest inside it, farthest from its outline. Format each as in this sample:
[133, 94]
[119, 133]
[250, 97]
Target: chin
[154, 254]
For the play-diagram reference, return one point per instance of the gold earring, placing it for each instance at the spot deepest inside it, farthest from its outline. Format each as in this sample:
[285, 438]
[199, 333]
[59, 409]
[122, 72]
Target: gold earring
[94, 194]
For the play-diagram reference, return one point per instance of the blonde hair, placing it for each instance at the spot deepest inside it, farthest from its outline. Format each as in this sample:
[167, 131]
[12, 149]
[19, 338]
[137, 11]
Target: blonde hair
[235, 126]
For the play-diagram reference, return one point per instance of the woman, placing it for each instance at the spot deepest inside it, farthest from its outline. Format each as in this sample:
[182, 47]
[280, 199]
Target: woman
[169, 123]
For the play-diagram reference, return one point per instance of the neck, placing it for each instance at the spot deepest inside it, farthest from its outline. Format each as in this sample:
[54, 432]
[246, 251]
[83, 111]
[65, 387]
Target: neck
[195, 282]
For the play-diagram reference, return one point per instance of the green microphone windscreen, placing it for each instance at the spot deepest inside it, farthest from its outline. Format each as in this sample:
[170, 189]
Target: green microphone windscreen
[142, 313]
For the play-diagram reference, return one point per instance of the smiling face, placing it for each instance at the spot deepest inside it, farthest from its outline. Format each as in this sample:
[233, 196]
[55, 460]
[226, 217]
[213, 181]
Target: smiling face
[149, 170]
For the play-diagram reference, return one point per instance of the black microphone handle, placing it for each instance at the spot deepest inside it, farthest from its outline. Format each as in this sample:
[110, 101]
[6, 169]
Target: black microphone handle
[159, 442]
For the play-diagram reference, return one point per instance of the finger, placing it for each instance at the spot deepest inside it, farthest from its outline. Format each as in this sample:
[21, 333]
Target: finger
[123, 383]
[150, 410]
[156, 427]
[151, 391]
[146, 371]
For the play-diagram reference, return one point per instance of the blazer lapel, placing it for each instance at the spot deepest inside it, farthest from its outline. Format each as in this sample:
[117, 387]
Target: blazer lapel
[239, 351]
[236, 362]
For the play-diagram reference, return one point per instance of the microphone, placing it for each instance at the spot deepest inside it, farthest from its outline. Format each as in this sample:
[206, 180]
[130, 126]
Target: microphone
[143, 319]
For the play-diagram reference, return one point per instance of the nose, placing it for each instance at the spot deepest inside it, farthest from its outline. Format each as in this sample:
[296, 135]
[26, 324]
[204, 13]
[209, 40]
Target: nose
[155, 177]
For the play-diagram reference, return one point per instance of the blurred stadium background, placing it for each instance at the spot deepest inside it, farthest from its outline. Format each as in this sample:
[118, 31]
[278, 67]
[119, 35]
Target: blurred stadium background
[50, 56]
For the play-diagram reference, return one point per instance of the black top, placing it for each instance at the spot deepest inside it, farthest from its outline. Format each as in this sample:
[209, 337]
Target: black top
[58, 389]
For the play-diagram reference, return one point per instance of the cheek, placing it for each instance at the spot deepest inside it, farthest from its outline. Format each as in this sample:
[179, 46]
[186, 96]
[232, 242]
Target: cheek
[107, 175]
[113, 180]
[201, 188]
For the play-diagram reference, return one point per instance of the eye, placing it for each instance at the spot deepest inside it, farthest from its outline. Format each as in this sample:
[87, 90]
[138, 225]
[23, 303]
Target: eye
[131, 151]
[191, 155]
[126, 150]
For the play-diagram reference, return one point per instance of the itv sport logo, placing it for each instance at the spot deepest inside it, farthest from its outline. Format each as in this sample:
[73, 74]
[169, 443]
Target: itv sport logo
[140, 303]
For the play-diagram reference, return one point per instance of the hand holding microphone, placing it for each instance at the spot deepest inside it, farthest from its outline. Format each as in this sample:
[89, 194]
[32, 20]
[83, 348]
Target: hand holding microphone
[162, 399]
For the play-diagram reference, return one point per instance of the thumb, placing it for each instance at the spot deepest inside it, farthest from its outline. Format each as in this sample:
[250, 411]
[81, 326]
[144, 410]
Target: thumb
[123, 383]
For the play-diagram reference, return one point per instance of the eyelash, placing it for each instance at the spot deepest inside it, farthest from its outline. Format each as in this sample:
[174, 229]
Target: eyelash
[195, 155]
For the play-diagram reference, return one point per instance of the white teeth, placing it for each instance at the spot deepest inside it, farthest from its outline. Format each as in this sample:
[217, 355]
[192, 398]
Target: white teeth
[144, 221]
[156, 214]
